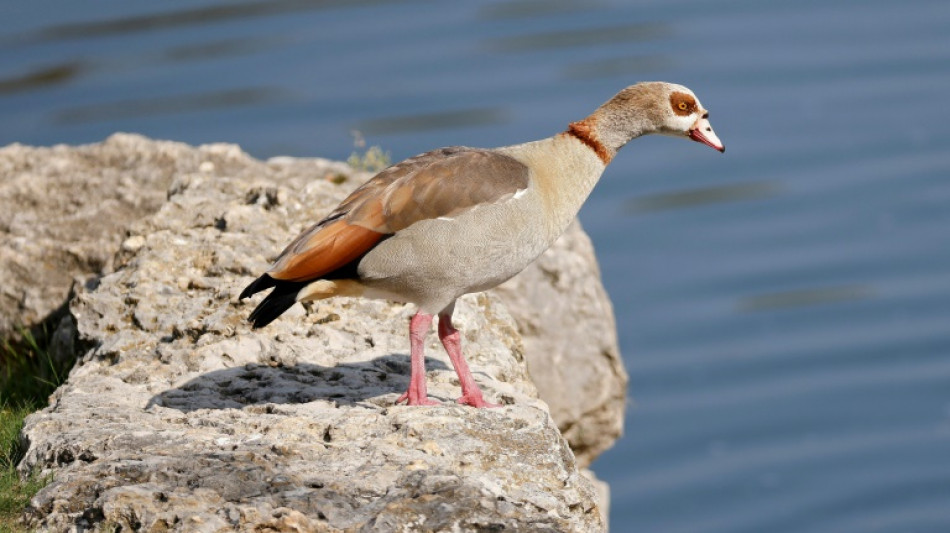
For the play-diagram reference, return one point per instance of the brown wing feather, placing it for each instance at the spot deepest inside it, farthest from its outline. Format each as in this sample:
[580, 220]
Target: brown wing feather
[441, 183]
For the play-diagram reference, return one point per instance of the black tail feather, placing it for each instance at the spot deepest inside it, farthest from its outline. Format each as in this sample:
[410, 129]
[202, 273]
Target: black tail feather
[272, 307]
[279, 300]
[260, 284]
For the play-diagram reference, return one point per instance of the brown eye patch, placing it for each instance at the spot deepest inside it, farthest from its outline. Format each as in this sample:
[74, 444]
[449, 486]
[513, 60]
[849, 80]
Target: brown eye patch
[683, 104]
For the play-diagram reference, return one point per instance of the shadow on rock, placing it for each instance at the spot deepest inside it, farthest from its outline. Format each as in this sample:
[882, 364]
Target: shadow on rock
[253, 384]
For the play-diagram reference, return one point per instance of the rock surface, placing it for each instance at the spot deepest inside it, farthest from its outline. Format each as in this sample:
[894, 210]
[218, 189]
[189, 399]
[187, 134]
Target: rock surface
[64, 211]
[179, 417]
[570, 338]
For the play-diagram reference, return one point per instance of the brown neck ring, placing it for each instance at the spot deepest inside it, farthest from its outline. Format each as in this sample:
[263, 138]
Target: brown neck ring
[583, 132]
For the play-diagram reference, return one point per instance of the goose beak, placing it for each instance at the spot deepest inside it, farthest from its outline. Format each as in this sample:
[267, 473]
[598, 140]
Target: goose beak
[702, 132]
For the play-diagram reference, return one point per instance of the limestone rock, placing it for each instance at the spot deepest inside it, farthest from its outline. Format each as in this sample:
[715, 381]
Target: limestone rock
[65, 211]
[179, 417]
[570, 337]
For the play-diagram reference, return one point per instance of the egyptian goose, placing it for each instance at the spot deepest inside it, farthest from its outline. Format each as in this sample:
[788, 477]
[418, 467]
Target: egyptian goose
[460, 220]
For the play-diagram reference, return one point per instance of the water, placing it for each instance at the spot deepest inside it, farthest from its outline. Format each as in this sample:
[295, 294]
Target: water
[783, 308]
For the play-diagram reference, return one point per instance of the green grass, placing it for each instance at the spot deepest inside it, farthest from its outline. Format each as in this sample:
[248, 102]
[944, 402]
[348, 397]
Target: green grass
[15, 493]
[372, 160]
[28, 375]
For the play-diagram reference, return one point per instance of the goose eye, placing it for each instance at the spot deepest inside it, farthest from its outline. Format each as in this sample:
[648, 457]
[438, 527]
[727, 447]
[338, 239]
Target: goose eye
[682, 104]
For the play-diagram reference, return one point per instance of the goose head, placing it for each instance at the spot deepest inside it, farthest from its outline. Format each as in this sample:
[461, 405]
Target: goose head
[649, 108]
[686, 116]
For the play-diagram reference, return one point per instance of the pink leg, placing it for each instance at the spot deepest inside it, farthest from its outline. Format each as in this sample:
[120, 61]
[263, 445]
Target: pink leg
[451, 339]
[418, 329]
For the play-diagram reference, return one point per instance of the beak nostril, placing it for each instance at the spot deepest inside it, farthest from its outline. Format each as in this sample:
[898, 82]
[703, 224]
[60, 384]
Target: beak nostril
[708, 129]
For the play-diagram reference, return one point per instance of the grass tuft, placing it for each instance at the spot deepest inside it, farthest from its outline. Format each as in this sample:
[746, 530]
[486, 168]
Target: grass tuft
[372, 159]
[15, 492]
[28, 375]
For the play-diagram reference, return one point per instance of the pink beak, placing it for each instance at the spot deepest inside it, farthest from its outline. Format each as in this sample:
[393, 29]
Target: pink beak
[702, 132]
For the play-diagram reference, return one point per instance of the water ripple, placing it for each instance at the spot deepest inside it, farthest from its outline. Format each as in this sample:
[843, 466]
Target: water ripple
[611, 35]
[170, 104]
[457, 118]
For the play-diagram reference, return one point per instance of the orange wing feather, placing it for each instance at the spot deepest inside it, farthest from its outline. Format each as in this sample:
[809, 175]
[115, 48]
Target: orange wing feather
[328, 248]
